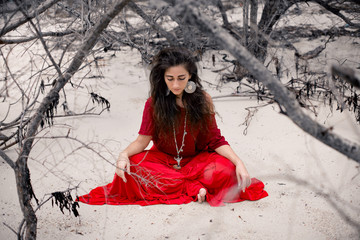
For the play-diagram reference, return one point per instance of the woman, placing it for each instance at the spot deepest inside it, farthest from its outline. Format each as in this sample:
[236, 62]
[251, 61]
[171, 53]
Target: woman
[189, 160]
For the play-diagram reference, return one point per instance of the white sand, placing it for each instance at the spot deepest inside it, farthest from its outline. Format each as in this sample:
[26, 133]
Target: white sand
[303, 177]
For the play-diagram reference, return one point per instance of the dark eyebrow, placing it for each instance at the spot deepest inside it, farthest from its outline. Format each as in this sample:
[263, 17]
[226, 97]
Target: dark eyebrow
[182, 75]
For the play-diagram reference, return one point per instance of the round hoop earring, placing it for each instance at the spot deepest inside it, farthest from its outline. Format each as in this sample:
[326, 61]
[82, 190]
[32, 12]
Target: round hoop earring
[190, 87]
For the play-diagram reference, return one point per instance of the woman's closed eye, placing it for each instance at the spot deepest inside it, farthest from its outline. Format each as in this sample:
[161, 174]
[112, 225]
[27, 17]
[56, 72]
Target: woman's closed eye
[181, 79]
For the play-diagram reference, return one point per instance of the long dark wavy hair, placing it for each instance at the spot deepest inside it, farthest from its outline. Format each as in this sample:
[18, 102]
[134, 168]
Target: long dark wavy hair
[166, 111]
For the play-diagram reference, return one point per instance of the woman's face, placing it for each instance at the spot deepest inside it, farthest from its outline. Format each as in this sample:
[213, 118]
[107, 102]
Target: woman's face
[176, 79]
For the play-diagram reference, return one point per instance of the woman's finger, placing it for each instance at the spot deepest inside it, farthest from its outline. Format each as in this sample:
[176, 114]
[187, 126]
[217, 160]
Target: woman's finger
[120, 172]
[122, 175]
[243, 184]
[248, 182]
[128, 167]
[238, 180]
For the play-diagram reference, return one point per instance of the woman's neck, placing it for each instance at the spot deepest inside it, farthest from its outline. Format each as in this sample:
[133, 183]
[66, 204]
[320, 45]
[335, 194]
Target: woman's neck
[179, 102]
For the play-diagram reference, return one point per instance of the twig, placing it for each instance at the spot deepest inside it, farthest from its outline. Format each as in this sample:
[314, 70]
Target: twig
[10, 228]
[7, 159]
[38, 32]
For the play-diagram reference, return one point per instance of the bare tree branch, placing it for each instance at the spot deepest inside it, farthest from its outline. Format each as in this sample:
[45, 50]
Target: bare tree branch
[337, 13]
[38, 32]
[171, 38]
[219, 4]
[7, 159]
[42, 8]
[192, 15]
[347, 74]
[24, 187]
[44, 34]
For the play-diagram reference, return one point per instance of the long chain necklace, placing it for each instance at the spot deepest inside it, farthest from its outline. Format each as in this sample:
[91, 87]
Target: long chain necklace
[178, 158]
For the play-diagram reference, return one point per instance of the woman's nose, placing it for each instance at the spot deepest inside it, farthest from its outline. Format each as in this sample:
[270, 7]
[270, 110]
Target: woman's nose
[176, 83]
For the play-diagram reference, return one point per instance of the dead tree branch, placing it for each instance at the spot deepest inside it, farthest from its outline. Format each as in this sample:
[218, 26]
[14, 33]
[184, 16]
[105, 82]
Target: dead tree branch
[192, 15]
[42, 8]
[44, 34]
[39, 34]
[219, 4]
[7, 159]
[337, 13]
[169, 37]
[22, 173]
[346, 74]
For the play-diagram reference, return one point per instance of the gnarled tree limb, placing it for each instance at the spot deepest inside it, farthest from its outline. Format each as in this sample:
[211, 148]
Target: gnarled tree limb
[7, 159]
[42, 8]
[169, 37]
[21, 170]
[192, 15]
[337, 13]
[44, 34]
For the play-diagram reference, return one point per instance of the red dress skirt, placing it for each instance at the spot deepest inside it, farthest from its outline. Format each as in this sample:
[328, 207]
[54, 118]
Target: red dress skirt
[153, 180]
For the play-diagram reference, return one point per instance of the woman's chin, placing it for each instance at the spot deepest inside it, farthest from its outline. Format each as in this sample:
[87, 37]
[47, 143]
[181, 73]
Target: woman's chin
[177, 93]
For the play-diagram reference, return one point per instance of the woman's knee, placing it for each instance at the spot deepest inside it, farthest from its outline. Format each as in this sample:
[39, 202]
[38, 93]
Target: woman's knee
[220, 169]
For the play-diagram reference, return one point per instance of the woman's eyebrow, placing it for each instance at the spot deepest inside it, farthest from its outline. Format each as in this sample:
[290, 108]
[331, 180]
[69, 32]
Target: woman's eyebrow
[182, 75]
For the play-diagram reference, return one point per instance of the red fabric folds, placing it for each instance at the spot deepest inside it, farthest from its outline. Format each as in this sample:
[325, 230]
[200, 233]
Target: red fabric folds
[153, 180]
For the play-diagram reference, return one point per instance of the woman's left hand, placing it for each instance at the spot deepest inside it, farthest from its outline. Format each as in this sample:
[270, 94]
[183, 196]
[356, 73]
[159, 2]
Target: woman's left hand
[243, 177]
[242, 174]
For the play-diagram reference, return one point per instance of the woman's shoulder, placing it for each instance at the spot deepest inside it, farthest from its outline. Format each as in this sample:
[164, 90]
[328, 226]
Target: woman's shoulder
[149, 100]
[149, 103]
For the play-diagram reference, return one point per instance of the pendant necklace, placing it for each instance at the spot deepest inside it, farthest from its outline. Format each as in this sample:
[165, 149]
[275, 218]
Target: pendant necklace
[178, 158]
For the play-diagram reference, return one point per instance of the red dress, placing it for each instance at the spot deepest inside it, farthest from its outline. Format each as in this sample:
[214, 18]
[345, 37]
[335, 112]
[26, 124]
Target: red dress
[153, 180]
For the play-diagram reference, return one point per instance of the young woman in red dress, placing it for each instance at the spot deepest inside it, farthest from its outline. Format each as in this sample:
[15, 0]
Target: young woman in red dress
[190, 160]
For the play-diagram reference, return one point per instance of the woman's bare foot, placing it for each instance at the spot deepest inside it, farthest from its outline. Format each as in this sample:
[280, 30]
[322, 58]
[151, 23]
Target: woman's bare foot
[202, 195]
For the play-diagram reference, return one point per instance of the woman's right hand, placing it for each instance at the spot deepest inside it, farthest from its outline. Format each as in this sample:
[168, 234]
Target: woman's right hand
[123, 163]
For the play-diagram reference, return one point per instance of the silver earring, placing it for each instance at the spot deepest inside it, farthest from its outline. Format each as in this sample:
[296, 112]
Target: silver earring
[167, 92]
[190, 87]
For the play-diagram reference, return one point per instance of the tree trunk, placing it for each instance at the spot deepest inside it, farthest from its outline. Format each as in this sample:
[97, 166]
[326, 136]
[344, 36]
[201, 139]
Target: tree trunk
[253, 26]
[272, 12]
[22, 172]
[25, 193]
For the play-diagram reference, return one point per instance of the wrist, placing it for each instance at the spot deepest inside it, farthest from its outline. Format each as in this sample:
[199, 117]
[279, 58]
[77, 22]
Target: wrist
[239, 163]
[123, 154]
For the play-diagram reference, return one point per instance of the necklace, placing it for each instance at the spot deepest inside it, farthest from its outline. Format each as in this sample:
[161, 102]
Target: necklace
[178, 158]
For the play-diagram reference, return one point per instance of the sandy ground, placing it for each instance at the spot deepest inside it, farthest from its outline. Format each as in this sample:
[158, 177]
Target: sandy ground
[312, 188]
[308, 183]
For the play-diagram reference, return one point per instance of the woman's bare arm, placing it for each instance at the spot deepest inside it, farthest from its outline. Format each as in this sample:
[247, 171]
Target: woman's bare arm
[242, 174]
[137, 146]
